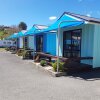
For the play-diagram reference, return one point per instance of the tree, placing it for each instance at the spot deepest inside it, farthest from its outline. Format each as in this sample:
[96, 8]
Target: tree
[22, 26]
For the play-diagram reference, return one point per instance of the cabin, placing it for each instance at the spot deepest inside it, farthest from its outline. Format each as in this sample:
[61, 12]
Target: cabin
[41, 41]
[79, 36]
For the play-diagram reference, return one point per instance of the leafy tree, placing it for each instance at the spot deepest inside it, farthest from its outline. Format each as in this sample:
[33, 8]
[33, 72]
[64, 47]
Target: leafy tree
[22, 26]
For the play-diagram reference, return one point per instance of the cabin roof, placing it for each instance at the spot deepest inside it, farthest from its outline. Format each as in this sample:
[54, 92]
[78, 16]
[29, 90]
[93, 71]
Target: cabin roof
[83, 17]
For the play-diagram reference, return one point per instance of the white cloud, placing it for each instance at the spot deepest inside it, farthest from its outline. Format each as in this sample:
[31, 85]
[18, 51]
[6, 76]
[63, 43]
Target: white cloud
[89, 15]
[52, 18]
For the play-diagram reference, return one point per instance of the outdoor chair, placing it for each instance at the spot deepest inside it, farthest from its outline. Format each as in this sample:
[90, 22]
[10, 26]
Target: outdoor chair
[28, 54]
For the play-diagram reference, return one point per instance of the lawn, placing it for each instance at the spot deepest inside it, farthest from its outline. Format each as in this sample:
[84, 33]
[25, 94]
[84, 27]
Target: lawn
[2, 49]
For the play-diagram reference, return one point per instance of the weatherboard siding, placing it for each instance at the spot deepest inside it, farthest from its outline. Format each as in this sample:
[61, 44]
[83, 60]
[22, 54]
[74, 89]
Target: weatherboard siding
[21, 42]
[87, 43]
[51, 43]
[96, 53]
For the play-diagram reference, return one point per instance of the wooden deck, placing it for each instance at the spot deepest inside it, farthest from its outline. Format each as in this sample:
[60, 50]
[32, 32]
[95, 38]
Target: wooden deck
[62, 58]
[71, 64]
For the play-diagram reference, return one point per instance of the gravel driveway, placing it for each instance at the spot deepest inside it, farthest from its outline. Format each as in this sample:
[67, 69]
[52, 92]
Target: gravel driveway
[20, 80]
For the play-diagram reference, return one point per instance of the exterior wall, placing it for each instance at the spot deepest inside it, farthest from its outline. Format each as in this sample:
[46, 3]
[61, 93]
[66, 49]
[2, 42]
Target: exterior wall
[31, 42]
[96, 53]
[20, 42]
[34, 42]
[51, 43]
[86, 42]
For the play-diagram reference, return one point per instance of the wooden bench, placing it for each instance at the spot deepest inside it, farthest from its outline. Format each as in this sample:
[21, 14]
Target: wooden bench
[41, 55]
[49, 56]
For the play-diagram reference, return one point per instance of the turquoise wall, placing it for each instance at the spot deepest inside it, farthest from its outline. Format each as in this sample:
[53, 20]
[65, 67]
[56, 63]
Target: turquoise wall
[96, 53]
[87, 43]
[49, 43]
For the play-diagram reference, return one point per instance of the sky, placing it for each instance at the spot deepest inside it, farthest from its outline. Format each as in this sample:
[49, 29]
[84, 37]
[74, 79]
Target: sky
[44, 12]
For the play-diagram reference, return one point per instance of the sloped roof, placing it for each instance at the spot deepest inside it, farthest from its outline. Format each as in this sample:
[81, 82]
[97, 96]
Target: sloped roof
[72, 21]
[83, 17]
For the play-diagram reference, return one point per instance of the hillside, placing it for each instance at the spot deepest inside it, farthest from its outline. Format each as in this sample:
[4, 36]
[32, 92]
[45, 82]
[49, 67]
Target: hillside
[6, 31]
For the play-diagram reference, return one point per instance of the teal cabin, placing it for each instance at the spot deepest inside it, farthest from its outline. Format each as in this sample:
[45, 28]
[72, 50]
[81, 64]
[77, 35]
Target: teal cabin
[79, 36]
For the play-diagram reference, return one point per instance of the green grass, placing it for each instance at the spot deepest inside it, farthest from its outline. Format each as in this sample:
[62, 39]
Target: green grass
[2, 49]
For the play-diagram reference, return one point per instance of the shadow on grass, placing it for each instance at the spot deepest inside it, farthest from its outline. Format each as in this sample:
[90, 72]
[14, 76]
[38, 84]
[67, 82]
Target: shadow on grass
[88, 76]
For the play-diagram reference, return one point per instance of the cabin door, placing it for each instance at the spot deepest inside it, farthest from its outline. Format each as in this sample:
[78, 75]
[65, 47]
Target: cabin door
[39, 43]
[72, 43]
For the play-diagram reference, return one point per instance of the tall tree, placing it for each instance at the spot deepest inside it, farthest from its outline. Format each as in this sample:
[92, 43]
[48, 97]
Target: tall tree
[22, 26]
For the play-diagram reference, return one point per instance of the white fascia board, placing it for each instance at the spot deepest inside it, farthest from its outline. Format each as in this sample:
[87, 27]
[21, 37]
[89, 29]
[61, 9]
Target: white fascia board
[78, 19]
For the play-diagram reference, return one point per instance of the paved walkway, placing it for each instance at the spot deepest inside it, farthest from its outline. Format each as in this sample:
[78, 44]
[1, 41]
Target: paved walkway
[20, 80]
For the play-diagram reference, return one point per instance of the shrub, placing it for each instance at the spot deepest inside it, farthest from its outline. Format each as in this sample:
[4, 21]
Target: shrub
[54, 65]
[43, 62]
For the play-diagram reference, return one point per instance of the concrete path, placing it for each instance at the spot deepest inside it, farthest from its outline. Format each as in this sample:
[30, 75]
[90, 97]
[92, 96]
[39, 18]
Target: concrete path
[20, 80]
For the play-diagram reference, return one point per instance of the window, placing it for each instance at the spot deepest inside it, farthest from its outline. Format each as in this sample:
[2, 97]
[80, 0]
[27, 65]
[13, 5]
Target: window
[9, 43]
[72, 43]
[4, 42]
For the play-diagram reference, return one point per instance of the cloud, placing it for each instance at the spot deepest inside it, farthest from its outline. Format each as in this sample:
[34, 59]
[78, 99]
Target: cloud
[52, 18]
[89, 15]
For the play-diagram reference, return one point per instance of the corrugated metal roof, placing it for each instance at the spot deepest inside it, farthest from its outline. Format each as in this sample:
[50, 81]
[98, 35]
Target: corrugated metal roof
[83, 17]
